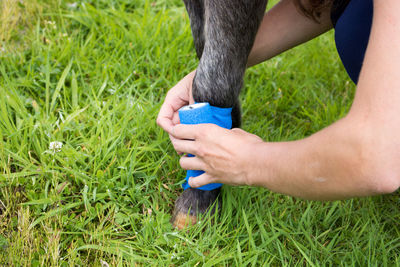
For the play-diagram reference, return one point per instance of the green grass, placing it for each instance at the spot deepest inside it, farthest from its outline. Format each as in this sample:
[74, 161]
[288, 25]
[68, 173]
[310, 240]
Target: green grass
[93, 76]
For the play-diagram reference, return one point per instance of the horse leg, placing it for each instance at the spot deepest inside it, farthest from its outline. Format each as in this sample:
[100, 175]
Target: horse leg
[224, 33]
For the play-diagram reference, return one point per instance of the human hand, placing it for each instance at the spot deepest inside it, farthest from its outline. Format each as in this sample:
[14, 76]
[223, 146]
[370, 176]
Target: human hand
[226, 156]
[178, 96]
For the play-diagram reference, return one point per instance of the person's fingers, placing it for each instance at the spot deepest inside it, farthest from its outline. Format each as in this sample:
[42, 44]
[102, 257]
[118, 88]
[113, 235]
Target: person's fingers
[201, 180]
[194, 131]
[184, 146]
[164, 119]
[177, 97]
[175, 118]
[192, 163]
[165, 123]
[168, 109]
[185, 131]
[172, 141]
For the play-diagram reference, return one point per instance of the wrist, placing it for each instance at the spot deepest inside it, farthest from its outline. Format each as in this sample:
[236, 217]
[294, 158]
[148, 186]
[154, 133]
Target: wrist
[257, 168]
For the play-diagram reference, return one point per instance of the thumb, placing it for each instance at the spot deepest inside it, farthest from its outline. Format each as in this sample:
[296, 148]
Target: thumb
[200, 180]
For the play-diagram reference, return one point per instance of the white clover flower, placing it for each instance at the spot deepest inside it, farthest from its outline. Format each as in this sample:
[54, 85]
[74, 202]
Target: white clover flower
[55, 146]
[104, 263]
[72, 5]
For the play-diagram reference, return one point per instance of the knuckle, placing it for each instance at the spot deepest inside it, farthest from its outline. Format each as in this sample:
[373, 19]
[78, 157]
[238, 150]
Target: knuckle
[203, 131]
[194, 183]
[198, 181]
[199, 131]
[201, 152]
[170, 92]
[177, 129]
[159, 121]
[174, 145]
[183, 163]
[214, 130]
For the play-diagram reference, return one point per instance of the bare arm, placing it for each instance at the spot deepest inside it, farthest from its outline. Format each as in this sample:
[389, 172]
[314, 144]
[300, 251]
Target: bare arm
[284, 27]
[357, 156]
[360, 154]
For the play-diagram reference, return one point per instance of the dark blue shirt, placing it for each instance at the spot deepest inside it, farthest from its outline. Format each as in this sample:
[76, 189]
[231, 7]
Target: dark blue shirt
[352, 22]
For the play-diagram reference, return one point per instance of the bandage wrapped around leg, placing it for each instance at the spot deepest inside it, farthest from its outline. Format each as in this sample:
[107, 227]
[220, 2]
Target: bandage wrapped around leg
[204, 113]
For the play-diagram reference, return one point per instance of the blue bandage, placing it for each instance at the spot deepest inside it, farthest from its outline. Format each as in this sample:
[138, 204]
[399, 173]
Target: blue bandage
[204, 113]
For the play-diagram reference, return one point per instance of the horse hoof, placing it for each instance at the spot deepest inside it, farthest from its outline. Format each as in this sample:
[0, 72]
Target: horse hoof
[192, 203]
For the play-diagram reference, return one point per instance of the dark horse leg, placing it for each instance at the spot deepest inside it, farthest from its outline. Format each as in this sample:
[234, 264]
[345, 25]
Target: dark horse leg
[223, 33]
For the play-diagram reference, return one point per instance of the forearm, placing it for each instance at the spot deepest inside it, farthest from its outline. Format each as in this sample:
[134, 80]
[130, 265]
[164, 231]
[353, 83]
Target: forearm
[282, 28]
[329, 165]
[360, 154]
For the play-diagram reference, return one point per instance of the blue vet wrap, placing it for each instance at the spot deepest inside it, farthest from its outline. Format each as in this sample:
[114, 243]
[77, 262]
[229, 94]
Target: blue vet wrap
[204, 113]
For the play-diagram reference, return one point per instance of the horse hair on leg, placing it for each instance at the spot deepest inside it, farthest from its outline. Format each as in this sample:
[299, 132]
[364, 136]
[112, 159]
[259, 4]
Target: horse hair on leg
[223, 33]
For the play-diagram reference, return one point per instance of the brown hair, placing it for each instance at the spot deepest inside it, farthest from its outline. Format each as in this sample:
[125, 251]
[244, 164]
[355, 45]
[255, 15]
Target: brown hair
[313, 8]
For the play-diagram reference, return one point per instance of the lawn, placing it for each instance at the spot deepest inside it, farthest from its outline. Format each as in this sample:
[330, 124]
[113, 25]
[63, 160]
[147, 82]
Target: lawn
[92, 75]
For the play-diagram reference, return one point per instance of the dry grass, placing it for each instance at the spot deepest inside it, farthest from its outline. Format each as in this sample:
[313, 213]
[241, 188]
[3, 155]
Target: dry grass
[16, 18]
